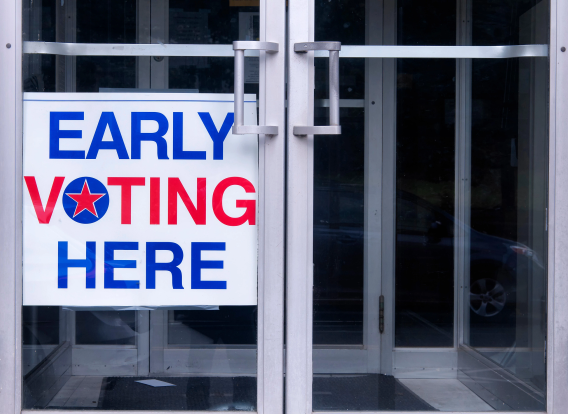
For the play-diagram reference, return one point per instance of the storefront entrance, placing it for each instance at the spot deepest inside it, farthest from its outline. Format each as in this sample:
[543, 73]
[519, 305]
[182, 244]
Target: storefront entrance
[403, 259]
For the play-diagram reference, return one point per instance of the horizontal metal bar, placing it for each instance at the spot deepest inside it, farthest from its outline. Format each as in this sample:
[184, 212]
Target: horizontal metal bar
[125, 49]
[343, 103]
[317, 130]
[255, 129]
[306, 46]
[269, 47]
[424, 52]
[440, 52]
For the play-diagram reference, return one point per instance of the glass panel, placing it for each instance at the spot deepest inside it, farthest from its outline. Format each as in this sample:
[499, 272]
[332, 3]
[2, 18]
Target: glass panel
[347, 282]
[229, 325]
[39, 23]
[507, 289]
[515, 22]
[40, 334]
[425, 171]
[338, 311]
[394, 230]
[422, 23]
[345, 21]
[207, 74]
[105, 22]
[508, 240]
[105, 328]
[425, 153]
[338, 233]
[89, 358]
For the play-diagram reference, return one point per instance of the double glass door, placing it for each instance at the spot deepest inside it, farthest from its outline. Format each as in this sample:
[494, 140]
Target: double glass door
[402, 207]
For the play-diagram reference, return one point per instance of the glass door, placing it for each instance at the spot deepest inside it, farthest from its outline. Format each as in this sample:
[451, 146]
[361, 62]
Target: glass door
[208, 357]
[416, 258]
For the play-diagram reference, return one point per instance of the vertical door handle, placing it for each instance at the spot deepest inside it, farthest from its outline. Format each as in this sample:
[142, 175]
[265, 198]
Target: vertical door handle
[381, 314]
[334, 128]
[239, 128]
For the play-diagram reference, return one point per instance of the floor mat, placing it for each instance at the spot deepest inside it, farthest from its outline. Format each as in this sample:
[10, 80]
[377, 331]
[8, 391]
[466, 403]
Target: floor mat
[189, 393]
[370, 392]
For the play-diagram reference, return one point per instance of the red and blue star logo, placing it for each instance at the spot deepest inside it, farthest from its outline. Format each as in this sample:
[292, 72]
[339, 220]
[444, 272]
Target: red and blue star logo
[85, 200]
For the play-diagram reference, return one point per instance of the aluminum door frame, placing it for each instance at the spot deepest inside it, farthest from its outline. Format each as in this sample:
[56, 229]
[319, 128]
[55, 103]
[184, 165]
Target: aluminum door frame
[271, 212]
[299, 216]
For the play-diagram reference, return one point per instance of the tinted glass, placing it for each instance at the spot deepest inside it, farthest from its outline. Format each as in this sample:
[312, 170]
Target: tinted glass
[508, 243]
[430, 213]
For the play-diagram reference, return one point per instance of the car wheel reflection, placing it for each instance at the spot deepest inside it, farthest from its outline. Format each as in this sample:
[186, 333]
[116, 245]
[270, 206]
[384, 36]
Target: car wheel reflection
[487, 297]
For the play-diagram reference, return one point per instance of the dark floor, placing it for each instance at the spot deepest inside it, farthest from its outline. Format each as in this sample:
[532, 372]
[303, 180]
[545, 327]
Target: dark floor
[189, 393]
[338, 393]
[370, 392]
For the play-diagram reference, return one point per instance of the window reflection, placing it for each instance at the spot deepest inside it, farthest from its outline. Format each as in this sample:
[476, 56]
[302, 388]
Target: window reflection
[469, 212]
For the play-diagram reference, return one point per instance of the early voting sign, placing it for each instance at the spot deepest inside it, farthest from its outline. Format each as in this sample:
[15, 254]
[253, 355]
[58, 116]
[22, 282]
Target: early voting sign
[138, 200]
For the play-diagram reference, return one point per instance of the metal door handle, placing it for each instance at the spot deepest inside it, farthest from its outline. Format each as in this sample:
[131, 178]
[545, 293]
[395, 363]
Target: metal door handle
[239, 47]
[334, 128]
[381, 314]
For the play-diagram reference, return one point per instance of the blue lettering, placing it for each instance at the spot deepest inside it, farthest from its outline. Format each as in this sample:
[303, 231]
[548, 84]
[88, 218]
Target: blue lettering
[218, 137]
[64, 263]
[55, 134]
[157, 137]
[172, 267]
[179, 153]
[117, 143]
[197, 264]
[111, 264]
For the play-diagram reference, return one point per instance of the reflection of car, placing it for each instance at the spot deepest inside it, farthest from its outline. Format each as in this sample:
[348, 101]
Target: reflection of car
[424, 257]
[425, 250]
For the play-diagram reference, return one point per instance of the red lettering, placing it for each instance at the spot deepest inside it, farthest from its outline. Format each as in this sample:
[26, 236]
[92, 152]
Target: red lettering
[44, 216]
[250, 205]
[155, 200]
[198, 213]
[126, 184]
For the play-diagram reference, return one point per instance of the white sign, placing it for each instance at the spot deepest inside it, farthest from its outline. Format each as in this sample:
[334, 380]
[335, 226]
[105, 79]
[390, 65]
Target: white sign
[138, 199]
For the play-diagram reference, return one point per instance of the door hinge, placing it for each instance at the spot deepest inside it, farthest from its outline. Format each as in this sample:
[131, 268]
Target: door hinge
[381, 314]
